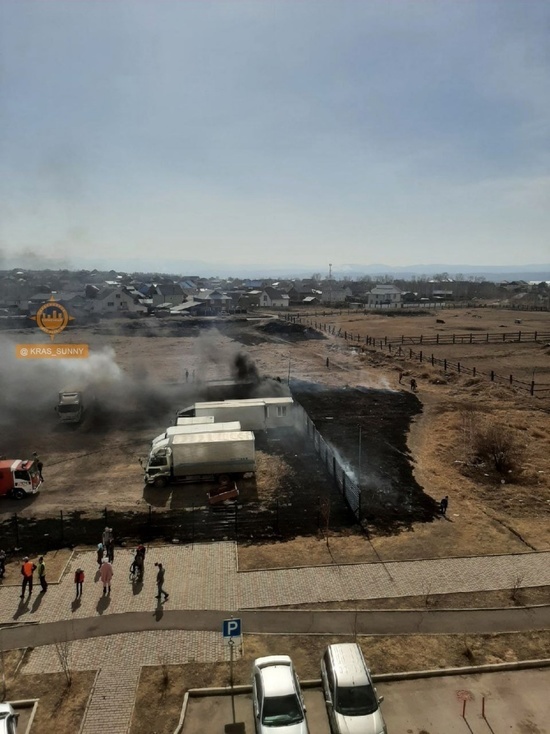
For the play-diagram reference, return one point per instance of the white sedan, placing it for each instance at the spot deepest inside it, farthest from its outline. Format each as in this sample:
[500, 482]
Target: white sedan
[8, 719]
[277, 699]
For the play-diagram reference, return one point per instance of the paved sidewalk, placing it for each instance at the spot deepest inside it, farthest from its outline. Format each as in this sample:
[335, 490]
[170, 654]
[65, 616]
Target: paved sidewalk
[119, 659]
[204, 578]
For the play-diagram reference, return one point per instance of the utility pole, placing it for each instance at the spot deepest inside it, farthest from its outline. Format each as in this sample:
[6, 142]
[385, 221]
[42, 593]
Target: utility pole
[330, 284]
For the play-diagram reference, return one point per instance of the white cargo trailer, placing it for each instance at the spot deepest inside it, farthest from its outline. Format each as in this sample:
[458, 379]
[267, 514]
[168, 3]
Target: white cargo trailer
[254, 414]
[196, 428]
[201, 457]
[195, 421]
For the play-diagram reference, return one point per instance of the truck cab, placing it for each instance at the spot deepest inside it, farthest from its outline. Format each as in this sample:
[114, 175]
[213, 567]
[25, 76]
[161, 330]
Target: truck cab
[158, 466]
[19, 478]
[70, 406]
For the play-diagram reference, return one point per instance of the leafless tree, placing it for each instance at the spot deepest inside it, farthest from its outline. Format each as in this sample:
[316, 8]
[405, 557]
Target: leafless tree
[63, 650]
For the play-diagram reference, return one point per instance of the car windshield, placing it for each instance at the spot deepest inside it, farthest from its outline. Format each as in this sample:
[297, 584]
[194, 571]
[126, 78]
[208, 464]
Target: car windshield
[282, 711]
[356, 700]
[71, 408]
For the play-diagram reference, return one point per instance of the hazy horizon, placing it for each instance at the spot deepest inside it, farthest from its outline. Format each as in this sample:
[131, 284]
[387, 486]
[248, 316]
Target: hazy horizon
[274, 134]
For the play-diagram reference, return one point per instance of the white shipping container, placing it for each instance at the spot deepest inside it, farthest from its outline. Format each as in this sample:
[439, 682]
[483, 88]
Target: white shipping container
[254, 414]
[193, 421]
[196, 428]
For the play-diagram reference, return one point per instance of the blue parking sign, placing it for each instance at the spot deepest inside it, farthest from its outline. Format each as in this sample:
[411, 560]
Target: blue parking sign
[231, 628]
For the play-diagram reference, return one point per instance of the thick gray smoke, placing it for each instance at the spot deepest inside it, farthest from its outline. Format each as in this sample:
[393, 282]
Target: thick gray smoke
[244, 369]
[30, 387]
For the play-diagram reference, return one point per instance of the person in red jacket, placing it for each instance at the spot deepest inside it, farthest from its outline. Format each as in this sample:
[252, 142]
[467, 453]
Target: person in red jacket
[27, 570]
[79, 580]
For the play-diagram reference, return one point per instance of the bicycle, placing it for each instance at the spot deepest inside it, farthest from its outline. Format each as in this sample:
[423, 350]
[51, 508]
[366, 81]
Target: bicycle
[136, 571]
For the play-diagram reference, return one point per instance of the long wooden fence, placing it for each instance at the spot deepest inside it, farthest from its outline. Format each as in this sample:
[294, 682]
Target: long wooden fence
[504, 337]
[395, 346]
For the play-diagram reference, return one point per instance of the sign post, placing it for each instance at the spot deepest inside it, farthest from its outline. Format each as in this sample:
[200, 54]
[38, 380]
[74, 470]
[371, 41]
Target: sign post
[231, 630]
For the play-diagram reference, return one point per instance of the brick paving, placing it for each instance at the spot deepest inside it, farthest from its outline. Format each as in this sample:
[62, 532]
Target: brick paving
[119, 659]
[205, 576]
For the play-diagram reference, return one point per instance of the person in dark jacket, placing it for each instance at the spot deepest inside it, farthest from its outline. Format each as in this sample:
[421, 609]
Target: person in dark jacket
[443, 505]
[160, 582]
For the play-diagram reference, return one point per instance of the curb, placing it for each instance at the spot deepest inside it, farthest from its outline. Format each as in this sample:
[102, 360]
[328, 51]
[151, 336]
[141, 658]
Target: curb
[379, 678]
[387, 561]
[27, 703]
[86, 708]
[389, 677]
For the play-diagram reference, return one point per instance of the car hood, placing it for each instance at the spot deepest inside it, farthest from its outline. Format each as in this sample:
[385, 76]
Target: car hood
[371, 724]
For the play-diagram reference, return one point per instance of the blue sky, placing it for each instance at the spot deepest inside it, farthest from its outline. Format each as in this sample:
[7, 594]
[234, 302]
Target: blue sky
[275, 133]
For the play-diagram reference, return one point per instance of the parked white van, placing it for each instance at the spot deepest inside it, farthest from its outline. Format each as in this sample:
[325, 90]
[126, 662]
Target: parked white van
[352, 702]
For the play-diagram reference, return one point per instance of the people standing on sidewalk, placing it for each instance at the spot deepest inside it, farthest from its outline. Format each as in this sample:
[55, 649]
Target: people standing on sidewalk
[78, 580]
[111, 549]
[100, 554]
[106, 574]
[27, 571]
[160, 582]
[107, 535]
[42, 574]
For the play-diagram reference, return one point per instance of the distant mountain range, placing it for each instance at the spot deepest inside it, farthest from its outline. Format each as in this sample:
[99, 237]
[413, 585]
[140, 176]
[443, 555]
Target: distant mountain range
[354, 271]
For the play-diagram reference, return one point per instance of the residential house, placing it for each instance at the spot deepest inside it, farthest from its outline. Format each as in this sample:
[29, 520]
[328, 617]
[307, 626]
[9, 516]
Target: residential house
[384, 294]
[335, 293]
[115, 300]
[75, 303]
[171, 293]
[272, 298]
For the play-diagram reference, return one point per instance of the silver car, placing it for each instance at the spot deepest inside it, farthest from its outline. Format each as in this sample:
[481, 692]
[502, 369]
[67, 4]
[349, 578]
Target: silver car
[352, 701]
[277, 699]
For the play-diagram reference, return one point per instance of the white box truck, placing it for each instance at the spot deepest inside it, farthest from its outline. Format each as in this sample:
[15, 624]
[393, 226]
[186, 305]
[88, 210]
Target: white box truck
[201, 419]
[202, 457]
[196, 428]
[254, 414]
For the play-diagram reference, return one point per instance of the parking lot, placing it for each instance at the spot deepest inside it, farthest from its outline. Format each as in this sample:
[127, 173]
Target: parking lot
[515, 701]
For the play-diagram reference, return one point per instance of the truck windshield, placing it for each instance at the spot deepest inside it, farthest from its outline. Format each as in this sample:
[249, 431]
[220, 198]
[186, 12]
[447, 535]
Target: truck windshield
[69, 408]
[21, 475]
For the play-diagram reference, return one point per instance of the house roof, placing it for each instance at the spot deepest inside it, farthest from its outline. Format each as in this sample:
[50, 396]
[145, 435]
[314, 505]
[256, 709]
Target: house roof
[187, 306]
[169, 289]
[384, 289]
[274, 294]
[60, 296]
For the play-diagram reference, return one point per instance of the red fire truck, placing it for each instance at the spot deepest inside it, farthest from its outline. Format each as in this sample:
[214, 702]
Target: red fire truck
[19, 477]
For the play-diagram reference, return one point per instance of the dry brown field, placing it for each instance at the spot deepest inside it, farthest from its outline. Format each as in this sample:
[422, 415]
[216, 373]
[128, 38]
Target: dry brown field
[87, 470]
